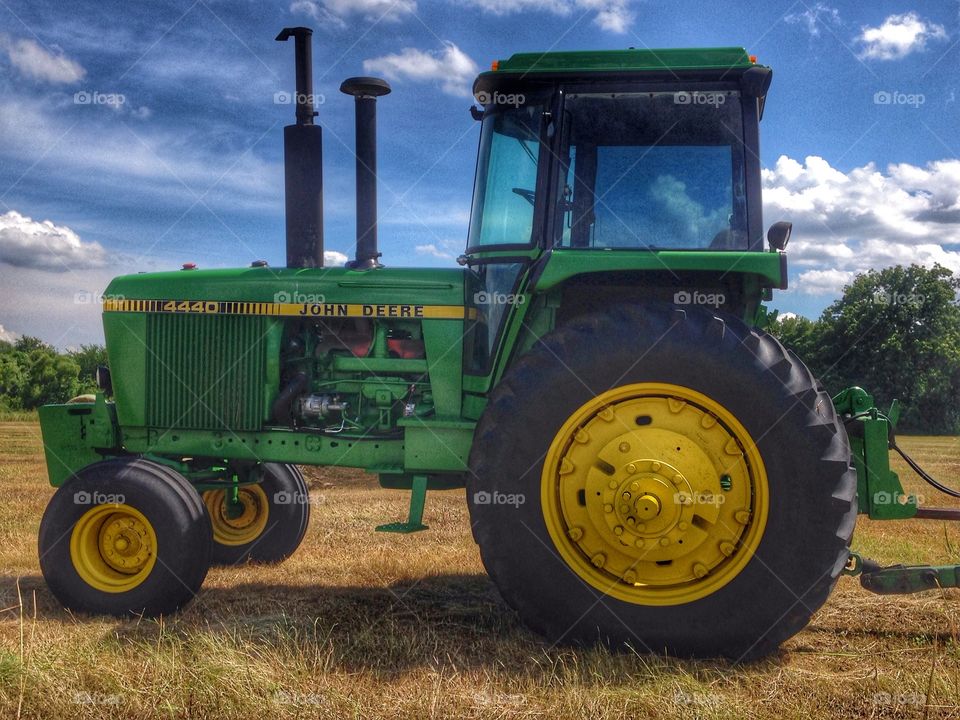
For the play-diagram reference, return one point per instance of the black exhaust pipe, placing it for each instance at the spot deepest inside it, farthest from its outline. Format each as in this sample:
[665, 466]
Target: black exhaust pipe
[303, 163]
[365, 91]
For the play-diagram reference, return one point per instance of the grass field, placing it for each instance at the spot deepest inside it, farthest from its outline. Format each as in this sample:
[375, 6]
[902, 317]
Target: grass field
[363, 624]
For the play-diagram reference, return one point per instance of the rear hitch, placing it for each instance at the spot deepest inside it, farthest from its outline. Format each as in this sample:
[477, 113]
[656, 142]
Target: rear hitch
[901, 579]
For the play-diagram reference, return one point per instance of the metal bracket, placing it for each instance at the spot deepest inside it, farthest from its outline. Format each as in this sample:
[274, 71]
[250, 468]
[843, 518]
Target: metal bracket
[418, 497]
[879, 492]
[904, 579]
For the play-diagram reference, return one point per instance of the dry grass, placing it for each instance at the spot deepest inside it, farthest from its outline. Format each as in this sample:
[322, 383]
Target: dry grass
[362, 624]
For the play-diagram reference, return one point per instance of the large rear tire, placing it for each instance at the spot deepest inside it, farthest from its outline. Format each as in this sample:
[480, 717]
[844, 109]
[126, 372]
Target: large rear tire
[125, 537]
[663, 477]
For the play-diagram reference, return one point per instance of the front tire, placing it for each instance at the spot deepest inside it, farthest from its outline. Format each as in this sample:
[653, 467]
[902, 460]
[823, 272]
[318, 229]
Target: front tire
[125, 537]
[273, 522]
[608, 436]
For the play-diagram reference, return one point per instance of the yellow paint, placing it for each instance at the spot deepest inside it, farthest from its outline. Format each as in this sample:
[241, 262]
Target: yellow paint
[113, 547]
[632, 500]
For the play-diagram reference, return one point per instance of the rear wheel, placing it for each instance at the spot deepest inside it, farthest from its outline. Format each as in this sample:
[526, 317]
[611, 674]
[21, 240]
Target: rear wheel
[666, 478]
[125, 536]
[268, 523]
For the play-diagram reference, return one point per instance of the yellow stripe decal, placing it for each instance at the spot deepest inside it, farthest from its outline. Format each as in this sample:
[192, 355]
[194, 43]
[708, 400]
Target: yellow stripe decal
[217, 307]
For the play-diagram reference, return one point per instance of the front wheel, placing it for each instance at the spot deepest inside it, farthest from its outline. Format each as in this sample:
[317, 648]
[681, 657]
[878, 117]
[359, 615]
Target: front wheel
[267, 524]
[666, 478]
[125, 537]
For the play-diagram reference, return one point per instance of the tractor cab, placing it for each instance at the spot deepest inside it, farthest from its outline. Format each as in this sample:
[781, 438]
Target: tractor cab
[607, 170]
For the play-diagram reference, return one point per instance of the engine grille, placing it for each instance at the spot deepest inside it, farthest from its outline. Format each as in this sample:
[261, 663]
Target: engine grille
[205, 372]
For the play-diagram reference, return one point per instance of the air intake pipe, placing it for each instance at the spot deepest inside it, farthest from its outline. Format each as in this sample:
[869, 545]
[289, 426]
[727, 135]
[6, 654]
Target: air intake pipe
[303, 163]
[365, 91]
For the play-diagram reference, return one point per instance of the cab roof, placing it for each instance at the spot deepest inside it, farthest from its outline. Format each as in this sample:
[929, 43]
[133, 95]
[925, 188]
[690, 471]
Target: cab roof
[630, 60]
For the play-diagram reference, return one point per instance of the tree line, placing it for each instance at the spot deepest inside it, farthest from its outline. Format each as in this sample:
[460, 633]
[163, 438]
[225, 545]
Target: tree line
[894, 332]
[33, 373]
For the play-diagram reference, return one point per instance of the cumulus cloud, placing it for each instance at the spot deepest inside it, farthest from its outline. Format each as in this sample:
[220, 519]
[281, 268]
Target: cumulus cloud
[611, 15]
[8, 335]
[27, 243]
[452, 68]
[333, 258]
[898, 36]
[34, 61]
[848, 222]
[336, 11]
[815, 17]
[443, 250]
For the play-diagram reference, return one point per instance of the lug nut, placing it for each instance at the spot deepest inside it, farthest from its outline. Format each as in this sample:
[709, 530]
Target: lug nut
[631, 468]
[624, 447]
[630, 577]
[742, 516]
[618, 530]
[700, 570]
[677, 479]
[608, 508]
[599, 560]
[575, 533]
[655, 466]
[664, 541]
[727, 548]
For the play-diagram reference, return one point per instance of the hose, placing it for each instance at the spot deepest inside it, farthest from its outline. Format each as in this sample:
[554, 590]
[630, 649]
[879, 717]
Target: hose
[892, 443]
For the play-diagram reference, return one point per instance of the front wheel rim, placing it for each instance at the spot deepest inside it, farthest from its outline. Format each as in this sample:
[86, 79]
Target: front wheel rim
[113, 547]
[654, 494]
[248, 525]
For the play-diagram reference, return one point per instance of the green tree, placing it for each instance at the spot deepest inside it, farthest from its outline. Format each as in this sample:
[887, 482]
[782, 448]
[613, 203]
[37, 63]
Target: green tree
[28, 344]
[50, 378]
[896, 333]
[12, 378]
[88, 358]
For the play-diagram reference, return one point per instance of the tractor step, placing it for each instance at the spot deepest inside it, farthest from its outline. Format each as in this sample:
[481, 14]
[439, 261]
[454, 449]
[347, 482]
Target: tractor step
[905, 579]
[414, 522]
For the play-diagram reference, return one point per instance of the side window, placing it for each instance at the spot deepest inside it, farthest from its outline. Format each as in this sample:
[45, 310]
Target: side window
[491, 289]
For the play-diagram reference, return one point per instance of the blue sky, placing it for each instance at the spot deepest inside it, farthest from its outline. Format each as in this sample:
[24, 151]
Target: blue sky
[138, 136]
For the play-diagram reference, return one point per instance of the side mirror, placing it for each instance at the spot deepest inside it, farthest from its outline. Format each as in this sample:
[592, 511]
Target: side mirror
[779, 235]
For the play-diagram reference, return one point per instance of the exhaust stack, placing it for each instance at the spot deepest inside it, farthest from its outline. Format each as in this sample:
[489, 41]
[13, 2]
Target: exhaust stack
[365, 91]
[303, 163]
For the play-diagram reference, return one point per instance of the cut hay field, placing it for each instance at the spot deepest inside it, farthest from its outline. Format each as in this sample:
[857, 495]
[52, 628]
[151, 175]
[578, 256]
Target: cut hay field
[363, 624]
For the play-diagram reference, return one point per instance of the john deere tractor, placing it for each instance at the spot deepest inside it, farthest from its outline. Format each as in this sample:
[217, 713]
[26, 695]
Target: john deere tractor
[643, 463]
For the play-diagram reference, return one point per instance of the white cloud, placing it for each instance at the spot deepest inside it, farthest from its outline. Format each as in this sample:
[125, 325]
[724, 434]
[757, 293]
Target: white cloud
[34, 61]
[26, 243]
[898, 36]
[865, 218]
[451, 67]
[824, 282]
[8, 335]
[334, 258]
[611, 15]
[815, 17]
[335, 11]
[442, 251]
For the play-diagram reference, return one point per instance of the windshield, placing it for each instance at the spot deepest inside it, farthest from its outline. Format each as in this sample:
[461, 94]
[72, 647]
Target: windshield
[653, 170]
[504, 192]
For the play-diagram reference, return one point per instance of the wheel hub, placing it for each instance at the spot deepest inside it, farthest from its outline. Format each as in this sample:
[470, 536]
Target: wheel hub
[113, 547]
[241, 522]
[653, 493]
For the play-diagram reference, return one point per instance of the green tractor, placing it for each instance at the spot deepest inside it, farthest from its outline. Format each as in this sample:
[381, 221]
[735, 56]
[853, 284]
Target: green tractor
[643, 463]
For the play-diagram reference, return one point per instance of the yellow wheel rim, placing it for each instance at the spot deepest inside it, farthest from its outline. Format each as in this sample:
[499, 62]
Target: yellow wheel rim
[654, 494]
[113, 547]
[248, 525]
